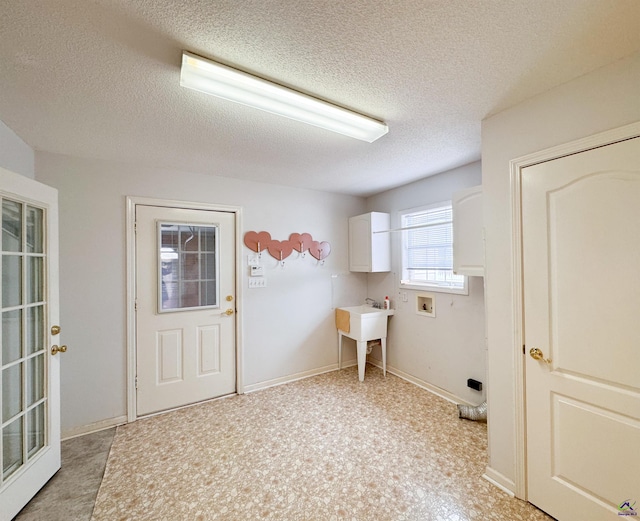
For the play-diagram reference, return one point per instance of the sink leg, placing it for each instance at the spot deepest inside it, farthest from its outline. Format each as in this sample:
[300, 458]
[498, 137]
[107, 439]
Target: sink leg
[362, 359]
[339, 350]
[383, 343]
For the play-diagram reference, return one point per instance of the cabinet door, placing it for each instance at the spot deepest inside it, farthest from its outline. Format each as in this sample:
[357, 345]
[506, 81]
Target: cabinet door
[360, 243]
[468, 242]
[369, 251]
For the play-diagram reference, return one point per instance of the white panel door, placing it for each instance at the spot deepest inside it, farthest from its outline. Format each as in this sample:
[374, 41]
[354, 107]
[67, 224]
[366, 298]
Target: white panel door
[185, 299]
[29, 368]
[581, 265]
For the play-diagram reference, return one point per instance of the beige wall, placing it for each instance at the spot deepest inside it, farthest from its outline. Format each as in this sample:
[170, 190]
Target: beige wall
[446, 350]
[15, 154]
[605, 99]
[288, 326]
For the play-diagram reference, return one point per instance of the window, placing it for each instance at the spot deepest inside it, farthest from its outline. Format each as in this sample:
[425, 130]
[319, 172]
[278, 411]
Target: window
[188, 266]
[427, 250]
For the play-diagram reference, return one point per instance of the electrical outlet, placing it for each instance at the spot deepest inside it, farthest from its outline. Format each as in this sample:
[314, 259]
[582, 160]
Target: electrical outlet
[474, 384]
[257, 282]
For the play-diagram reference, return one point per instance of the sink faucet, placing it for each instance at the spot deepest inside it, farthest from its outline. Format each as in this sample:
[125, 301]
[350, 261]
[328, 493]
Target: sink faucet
[373, 303]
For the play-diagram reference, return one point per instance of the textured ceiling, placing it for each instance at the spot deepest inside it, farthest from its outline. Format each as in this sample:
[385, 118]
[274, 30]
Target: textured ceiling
[100, 79]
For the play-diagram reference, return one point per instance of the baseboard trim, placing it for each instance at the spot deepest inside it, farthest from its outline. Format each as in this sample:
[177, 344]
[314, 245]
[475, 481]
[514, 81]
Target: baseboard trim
[93, 427]
[297, 376]
[434, 389]
[499, 480]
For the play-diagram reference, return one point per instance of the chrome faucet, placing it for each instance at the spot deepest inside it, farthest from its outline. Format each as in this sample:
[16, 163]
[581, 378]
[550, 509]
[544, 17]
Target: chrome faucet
[373, 303]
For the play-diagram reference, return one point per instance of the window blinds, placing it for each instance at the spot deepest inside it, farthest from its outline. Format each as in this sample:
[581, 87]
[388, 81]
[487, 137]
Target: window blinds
[430, 247]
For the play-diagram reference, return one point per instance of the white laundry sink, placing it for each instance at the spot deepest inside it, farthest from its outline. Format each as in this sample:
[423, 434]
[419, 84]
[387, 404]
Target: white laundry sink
[365, 323]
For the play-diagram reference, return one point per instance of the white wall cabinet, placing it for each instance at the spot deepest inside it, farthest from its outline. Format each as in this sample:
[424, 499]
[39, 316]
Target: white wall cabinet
[468, 241]
[369, 251]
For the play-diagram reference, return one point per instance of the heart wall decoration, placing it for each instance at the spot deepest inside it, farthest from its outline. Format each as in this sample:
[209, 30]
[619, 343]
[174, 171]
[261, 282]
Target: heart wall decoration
[320, 250]
[257, 241]
[280, 250]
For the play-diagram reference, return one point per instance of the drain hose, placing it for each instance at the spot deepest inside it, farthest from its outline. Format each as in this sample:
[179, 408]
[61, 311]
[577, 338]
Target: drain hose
[477, 413]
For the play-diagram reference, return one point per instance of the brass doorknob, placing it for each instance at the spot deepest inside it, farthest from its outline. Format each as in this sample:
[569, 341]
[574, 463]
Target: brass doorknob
[536, 354]
[229, 312]
[55, 350]
[229, 298]
[55, 330]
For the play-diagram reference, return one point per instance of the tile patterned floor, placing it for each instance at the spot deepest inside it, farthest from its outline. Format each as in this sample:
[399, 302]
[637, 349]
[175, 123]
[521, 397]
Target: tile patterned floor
[323, 448]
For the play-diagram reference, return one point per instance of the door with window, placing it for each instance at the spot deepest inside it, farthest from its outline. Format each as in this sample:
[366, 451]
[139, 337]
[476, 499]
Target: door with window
[29, 367]
[185, 306]
[581, 268]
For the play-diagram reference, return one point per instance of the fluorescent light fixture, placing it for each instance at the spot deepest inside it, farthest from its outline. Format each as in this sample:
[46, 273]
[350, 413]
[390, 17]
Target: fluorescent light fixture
[231, 84]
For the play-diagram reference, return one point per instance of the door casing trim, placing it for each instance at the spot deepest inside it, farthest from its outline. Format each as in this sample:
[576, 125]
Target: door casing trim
[131, 203]
[516, 167]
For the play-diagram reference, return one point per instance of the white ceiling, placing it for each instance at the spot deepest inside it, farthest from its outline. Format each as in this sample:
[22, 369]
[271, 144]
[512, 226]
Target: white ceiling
[100, 79]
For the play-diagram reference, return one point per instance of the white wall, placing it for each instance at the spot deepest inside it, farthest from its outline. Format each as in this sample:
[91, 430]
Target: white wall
[446, 350]
[288, 326]
[15, 154]
[602, 100]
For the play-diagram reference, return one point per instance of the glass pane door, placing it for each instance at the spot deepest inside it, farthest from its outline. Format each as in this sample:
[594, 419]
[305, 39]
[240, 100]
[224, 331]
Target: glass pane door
[23, 395]
[188, 266]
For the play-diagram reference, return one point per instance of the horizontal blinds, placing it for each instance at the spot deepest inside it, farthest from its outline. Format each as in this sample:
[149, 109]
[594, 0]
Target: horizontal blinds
[429, 248]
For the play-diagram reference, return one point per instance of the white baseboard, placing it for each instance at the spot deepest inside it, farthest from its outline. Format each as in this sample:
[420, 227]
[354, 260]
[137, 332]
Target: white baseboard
[94, 427]
[499, 480]
[298, 376]
[438, 391]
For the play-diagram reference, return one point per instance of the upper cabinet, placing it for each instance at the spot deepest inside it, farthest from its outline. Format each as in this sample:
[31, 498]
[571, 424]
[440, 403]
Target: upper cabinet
[369, 251]
[468, 240]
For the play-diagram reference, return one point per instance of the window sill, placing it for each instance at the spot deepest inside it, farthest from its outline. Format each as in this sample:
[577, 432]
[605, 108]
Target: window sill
[436, 289]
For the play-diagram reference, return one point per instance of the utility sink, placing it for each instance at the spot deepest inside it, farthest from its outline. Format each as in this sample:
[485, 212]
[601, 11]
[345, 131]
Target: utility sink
[365, 323]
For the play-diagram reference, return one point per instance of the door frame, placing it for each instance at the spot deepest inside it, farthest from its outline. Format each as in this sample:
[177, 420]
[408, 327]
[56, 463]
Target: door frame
[131, 203]
[516, 167]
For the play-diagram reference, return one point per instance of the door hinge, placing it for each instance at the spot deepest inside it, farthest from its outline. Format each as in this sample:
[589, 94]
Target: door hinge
[135, 305]
[135, 227]
[524, 351]
[136, 382]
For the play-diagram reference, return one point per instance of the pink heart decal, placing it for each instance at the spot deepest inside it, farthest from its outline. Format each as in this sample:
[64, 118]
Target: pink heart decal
[280, 250]
[257, 241]
[319, 250]
[300, 242]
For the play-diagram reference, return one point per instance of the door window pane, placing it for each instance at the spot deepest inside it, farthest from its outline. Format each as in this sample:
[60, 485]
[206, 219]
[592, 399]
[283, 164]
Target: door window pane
[34, 230]
[35, 379]
[35, 429]
[12, 448]
[35, 329]
[11, 226]
[11, 280]
[35, 280]
[188, 260]
[11, 391]
[11, 337]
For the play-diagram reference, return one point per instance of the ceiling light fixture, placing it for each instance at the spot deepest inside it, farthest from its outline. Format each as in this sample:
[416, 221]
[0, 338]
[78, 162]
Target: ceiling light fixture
[231, 84]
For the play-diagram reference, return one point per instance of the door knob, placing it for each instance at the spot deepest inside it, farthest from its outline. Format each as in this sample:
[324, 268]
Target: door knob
[536, 354]
[229, 312]
[229, 298]
[55, 350]
[55, 330]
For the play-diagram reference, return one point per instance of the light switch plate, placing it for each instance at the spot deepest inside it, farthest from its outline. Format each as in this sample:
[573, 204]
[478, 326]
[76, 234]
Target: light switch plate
[257, 282]
[253, 259]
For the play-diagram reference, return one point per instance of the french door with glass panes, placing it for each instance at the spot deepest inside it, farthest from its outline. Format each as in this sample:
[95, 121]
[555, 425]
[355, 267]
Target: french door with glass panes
[29, 373]
[185, 306]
